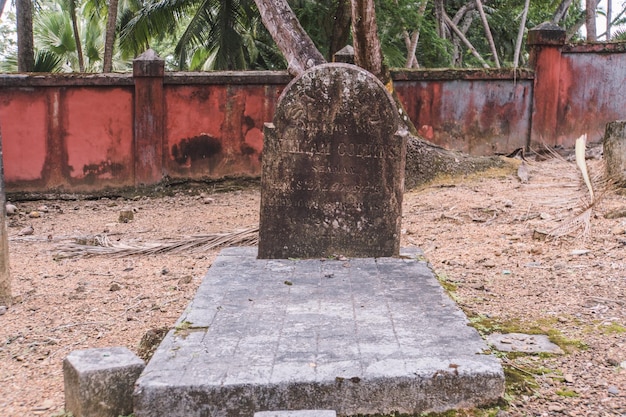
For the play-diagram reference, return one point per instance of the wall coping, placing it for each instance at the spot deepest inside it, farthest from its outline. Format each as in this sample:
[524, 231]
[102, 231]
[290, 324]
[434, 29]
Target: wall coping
[246, 77]
[462, 74]
[596, 47]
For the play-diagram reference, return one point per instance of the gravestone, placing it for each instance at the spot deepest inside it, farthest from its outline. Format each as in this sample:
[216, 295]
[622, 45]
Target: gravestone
[333, 168]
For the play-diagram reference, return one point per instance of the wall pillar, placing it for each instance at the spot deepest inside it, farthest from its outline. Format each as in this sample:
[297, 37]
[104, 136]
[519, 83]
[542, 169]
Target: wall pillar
[545, 42]
[149, 108]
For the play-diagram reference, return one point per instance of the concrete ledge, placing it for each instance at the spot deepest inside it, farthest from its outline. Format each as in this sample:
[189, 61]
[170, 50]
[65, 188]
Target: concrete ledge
[100, 382]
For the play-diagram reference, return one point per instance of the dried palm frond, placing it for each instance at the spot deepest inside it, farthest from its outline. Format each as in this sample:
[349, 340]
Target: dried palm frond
[102, 245]
[581, 221]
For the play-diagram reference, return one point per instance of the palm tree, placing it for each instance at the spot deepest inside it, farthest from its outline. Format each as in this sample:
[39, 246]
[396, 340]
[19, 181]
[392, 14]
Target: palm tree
[214, 34]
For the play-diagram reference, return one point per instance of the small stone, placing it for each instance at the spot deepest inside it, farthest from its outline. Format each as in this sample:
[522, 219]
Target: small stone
[569, 378]
[3, 310]
[578, 252]
[208, 200]
[618, 230]
[126, 216]
[115, 287]
[623, 365]
[27, 231]
[556, 407]
[11, 209]
[612, 361]
[34, 214]
[489, 263]
[43, 209]
[545, 216]
[165, 271]
[184, 280]
[613, 390]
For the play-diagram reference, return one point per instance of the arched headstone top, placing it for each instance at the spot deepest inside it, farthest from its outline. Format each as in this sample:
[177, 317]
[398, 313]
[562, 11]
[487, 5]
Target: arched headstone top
[337, 94]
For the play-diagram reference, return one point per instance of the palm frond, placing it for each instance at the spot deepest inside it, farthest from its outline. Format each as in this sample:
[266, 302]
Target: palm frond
[101, 245]
[46, 61]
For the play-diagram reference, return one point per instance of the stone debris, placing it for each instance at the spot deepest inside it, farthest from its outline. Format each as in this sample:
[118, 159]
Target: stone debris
[520, 342]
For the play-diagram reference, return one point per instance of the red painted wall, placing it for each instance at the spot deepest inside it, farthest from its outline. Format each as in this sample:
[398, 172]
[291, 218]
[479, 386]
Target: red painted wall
[91, 132]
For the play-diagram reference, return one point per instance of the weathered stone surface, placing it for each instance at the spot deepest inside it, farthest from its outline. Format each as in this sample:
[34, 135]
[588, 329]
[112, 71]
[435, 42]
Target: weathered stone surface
[333, 168]
[615, 151]
[359, 336]
[100, 382]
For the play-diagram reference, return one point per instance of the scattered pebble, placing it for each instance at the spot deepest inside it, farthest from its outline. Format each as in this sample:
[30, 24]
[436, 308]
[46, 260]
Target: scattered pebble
[34, 214]
[43, 209]
[184, 280]
[3, 310]
[618, 230]
[115, 287]
[126, 216]
[11, 209]
[489, 263]
[28, 230]
[208, 200]
[613, 390]
[569, 378]
[555, 407]
[578, 252]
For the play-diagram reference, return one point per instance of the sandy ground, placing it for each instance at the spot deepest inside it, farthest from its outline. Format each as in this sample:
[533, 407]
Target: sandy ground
[483, 235]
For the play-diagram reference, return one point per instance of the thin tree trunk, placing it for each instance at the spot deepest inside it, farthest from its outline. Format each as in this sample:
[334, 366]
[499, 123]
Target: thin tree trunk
[467, 43]
[441, 25]
[492, 44]
[590, 20]
[107, 64]
[341, 27]
[520, 34]
[367, 51]
[282, 24]
[79, 46]
[411, 61]
[609, 12]
[5, 276]
[25, 45]
[561, 11]
[2, 3]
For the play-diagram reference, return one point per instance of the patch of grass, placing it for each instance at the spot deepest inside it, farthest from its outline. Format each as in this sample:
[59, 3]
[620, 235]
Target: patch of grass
[612, 328]
[567, 393]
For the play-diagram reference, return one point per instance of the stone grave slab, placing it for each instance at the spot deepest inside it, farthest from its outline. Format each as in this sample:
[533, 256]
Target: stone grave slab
[357, 336]
[333, 168]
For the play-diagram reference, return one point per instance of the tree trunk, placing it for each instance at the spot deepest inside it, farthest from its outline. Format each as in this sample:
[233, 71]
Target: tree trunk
[2, 3]
[561, 11]
[79, 45]
[609, 23]
[467, 43]
[5, 276]
[590, 20]
[425, 161]
[107, 64]
[341, 28]
[25, 46]
[492, 45]
[520, 34]
[282, 23]
[367, 51]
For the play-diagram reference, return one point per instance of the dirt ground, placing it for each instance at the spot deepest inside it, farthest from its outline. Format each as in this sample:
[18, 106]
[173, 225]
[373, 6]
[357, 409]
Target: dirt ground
[484, 236]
